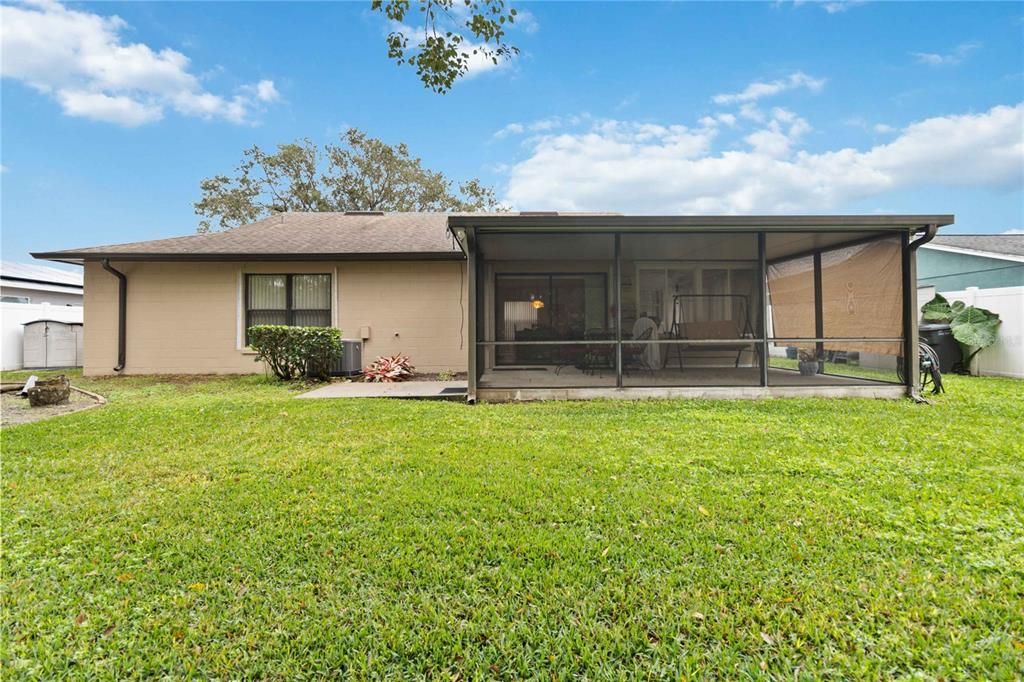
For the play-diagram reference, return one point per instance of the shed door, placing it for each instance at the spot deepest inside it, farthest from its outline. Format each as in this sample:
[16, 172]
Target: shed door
[61, 346]
[34, 346]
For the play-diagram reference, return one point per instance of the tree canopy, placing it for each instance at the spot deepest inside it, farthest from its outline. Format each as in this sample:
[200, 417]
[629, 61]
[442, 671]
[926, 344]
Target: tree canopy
[439, 51]
[361, 173]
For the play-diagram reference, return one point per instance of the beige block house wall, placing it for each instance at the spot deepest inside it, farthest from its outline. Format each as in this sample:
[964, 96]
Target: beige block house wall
[188, 317]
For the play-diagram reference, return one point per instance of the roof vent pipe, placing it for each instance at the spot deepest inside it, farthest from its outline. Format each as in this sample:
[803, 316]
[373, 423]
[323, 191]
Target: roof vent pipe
[122, 309]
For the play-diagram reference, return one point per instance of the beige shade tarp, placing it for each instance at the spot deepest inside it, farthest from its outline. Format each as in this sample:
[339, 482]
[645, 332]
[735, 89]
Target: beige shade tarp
[862, 297]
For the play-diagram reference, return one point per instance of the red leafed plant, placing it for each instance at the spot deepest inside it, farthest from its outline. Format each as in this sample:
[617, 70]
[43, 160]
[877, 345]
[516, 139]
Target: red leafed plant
[387, 369]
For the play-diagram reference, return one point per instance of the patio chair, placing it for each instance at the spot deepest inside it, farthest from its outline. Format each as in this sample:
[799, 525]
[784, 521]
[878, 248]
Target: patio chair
[598, 356]
[633, 353]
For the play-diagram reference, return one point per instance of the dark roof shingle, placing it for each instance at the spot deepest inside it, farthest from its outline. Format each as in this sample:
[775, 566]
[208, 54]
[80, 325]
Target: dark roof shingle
[1002, 244]
[297, 235]
[417, 236]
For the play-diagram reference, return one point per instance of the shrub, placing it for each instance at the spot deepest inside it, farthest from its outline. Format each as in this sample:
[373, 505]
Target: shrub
[295, 352]
[387, 369]
[446, 375]
[972, 327]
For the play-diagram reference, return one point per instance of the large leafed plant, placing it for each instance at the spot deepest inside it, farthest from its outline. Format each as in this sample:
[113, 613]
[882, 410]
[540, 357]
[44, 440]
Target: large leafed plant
[974, 328]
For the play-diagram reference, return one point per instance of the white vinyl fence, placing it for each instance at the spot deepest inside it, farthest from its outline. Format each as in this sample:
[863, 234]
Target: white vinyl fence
[1005, 358]
[13, 315]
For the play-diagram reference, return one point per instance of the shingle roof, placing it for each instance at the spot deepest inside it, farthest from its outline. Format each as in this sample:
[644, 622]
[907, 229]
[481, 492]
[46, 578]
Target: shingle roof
[30, 272]
[1001, 244]
[296, 235]
[418, 236]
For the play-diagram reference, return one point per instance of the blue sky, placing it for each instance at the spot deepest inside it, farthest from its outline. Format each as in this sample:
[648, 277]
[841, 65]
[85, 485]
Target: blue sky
[639, 107]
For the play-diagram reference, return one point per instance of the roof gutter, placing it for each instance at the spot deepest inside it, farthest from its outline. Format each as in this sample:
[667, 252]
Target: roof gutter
[64, 256]
[693, 223]
[929, 234]
[122, 312]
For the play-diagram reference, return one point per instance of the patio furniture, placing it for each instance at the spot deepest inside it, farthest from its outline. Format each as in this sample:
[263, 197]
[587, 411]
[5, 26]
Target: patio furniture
[598, 356]
[633, 353]
[732, 332]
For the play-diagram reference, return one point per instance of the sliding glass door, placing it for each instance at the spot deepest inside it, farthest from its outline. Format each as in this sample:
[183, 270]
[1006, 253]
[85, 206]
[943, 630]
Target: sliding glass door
[547, 307]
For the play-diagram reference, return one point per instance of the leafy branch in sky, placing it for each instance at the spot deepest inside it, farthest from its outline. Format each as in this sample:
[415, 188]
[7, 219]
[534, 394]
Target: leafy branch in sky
[440, 52]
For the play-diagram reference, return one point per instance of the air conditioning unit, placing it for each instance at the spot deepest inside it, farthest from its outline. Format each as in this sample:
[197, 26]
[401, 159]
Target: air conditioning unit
[350, 363]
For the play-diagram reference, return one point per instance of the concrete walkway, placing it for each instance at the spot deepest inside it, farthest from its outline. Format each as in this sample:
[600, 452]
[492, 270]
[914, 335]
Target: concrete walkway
[423, 390]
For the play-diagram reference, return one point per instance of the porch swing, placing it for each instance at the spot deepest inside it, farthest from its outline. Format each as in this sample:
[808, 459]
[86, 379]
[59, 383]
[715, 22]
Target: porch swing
[732, 332]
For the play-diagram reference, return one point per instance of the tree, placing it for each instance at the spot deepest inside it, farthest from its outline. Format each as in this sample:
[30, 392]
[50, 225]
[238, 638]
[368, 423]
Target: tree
[359, 174]
[441, 53]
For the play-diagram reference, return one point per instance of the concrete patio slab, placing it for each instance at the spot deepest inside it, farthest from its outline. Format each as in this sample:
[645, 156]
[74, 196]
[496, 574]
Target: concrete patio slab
[420, 390]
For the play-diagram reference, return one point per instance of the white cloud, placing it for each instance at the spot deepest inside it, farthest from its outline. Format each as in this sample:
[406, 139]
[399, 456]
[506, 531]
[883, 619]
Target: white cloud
[782, 131]
[542, 125]
[758, 90]
[510, 129]
[81, 60]
[862, 123]
[750, 112]
[119, 109]
[266, 92]
[526, 21]
[842, 6]
[1013, 231]
[830, 6]
[709, 121]
[546, 124]
[480, 60]
[647, 168]
[958, 55]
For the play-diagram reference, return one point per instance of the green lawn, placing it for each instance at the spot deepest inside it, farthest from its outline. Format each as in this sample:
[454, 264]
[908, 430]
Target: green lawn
[219, 528]
[841, 369]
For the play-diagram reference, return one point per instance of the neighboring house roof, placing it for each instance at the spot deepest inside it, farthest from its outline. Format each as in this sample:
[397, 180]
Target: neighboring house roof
[415, 236]
[28, 275]
[1001, 246]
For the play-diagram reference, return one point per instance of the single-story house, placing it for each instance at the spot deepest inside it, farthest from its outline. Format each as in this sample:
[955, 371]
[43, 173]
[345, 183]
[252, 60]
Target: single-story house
[30, 283]
[533, 304]
[957, 261]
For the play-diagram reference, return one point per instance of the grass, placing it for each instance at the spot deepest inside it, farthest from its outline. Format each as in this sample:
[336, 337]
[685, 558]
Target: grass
[220, 529]
[841, 369]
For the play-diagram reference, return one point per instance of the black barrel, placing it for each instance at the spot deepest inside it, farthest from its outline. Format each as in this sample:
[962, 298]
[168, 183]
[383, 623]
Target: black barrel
[940, 337]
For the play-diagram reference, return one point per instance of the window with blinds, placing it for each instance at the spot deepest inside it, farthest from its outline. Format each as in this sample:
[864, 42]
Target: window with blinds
[292, 300]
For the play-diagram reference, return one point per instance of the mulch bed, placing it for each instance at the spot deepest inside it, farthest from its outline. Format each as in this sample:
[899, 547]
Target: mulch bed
[15, 410]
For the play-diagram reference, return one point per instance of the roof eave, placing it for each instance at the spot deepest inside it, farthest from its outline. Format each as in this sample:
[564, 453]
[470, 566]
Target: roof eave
[641, 223]
[80, 256]
[28, 282]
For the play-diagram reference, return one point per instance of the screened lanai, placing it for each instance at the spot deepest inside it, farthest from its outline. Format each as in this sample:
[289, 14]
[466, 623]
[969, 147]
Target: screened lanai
[602, 305]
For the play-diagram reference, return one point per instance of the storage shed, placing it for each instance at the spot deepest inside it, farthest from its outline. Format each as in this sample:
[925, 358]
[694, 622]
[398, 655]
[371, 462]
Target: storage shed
[51, 344]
